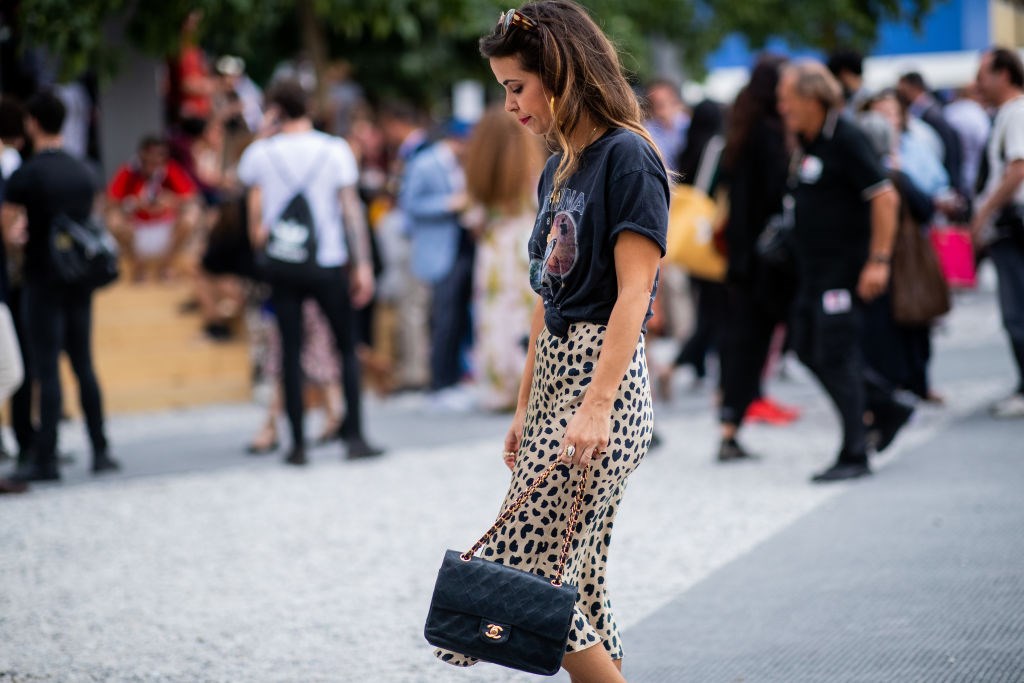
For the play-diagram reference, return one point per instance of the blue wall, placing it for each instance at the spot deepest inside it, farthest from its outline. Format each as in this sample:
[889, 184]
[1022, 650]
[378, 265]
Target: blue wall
[952, 26]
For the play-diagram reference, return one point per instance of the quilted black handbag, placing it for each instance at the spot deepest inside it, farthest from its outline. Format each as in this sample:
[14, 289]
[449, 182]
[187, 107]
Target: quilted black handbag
[500, 614]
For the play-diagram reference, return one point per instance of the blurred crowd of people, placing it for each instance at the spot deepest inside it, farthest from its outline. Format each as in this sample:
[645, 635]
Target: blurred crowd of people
[826, 194]
[416, 276]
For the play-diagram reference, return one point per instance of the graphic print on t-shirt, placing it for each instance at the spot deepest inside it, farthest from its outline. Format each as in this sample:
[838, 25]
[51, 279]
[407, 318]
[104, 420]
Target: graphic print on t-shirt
[561, 252]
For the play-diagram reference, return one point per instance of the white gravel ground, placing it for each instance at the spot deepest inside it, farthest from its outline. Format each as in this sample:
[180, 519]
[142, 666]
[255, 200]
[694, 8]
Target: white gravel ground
[263, 573]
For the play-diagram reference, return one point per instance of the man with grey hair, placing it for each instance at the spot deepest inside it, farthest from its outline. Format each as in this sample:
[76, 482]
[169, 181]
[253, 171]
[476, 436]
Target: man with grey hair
[844, 222]
[999, 219]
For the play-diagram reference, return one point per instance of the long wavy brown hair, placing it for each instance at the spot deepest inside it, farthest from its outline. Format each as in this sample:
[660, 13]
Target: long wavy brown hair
[578, 66]
[503, 161]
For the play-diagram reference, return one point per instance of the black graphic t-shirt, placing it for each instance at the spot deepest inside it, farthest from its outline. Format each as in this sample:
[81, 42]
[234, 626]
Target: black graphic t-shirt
[620, 185]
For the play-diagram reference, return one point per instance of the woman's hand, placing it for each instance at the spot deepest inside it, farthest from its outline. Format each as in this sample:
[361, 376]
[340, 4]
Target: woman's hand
[586, 435]
[512, 440]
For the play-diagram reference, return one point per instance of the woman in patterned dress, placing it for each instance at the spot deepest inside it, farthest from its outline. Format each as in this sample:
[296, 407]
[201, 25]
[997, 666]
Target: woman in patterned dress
[503, 162]
[585, 398]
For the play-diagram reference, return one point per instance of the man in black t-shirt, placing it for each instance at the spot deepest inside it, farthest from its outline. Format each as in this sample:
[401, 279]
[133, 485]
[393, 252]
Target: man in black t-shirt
[57, 317]
[845, 220]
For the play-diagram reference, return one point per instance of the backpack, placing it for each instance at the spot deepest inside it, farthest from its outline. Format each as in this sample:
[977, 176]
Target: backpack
[289, 254]
[82, 253]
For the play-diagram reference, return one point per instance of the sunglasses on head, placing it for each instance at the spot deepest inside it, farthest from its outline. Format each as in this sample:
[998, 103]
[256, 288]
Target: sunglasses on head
[514, 17]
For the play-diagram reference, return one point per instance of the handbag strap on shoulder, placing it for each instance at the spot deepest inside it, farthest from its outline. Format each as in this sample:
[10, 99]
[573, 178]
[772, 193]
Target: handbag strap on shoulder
[570, 528]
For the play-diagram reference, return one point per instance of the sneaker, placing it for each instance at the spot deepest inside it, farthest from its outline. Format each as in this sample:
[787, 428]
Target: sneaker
[102, 463]
[792, 413]
[357, 449]
[730, 451]
[842, 471]
[452, 400]
[768, 411]
[34, 472]
[887, 424]
[1011, 406]
[296, 456]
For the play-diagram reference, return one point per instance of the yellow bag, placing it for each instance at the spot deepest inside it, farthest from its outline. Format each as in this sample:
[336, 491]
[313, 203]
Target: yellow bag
[692, 217]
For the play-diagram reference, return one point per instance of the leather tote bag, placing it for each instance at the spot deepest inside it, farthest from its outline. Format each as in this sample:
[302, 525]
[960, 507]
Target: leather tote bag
[920, 293]
[501, 614]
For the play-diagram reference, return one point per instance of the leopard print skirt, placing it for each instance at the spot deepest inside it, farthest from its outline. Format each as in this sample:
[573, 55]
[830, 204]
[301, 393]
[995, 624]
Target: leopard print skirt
[532, 540]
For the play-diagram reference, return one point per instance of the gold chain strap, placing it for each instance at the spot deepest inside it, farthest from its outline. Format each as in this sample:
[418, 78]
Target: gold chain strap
[503, 518]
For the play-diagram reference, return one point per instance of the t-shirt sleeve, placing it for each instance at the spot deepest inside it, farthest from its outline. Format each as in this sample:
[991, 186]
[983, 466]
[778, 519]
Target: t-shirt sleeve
[863, 170]
[638, 202]
[1013, 145]
[178, 181]
[16, 191]
[344, 162]
[248, 171]
[118, 188]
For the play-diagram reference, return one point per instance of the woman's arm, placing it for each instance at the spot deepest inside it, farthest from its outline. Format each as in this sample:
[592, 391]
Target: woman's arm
[636, 265]
[515, 432]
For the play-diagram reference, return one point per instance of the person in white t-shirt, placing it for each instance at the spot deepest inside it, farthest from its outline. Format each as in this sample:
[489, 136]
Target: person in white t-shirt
[1000, 214]
[299, 159]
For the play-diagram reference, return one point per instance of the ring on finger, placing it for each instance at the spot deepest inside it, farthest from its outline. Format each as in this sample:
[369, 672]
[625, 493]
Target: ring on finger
[570, 451]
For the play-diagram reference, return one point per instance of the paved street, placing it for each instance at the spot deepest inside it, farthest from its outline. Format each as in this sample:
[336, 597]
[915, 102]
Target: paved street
[203, 564]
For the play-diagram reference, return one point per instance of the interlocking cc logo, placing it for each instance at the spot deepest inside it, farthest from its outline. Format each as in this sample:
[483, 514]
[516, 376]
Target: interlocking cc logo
[494, 631]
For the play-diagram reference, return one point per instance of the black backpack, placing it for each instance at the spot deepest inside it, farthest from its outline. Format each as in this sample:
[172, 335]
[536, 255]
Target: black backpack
[289, 254]
[82, 253]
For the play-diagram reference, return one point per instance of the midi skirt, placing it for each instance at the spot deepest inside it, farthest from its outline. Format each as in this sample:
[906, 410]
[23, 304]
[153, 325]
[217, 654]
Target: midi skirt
[532, 539]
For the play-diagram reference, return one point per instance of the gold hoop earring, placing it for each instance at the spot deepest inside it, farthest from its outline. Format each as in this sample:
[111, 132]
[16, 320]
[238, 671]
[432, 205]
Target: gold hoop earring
[551, 103]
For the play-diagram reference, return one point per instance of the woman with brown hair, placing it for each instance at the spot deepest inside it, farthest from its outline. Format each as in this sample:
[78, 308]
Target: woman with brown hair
[503, 162]
[584, 399]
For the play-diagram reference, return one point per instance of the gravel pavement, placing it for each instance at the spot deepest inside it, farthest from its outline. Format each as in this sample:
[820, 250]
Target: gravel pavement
[202, 565]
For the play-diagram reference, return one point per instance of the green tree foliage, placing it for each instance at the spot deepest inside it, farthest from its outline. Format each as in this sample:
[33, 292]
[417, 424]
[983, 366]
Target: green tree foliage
[416, 48]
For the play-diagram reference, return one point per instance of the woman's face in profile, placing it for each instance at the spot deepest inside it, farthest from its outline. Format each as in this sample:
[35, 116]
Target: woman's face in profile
[524, 94]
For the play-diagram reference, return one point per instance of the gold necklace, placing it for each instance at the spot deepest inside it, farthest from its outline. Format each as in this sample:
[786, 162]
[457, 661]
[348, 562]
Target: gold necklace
[555, 194]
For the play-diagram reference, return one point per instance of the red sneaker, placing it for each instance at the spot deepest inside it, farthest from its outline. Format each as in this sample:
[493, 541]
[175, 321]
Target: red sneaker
[767, 411]
[789, 412]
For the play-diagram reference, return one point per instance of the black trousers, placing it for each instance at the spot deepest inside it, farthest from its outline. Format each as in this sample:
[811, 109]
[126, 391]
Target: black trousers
[330, 293]
[745, 343]
[449, 318]
[830, 345]
[21, 401]
[710, 301]
[59, 318]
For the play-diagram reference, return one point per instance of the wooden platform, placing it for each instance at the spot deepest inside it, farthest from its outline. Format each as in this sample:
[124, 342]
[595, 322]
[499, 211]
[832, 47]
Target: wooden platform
[150, 356]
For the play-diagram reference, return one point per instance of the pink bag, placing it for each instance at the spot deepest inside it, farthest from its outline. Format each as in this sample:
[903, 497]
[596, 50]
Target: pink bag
[955, 250]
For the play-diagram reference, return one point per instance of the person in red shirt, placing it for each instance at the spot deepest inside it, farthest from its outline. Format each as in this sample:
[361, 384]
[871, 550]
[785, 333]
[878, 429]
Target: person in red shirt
[152, 209]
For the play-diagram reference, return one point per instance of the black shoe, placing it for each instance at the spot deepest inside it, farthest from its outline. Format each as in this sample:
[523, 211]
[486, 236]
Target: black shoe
[35, 472]
[843, 470]
[296, 456]
[357, 449]
[103, 464]
[730, 451]
[887, 424]
[655, 441]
